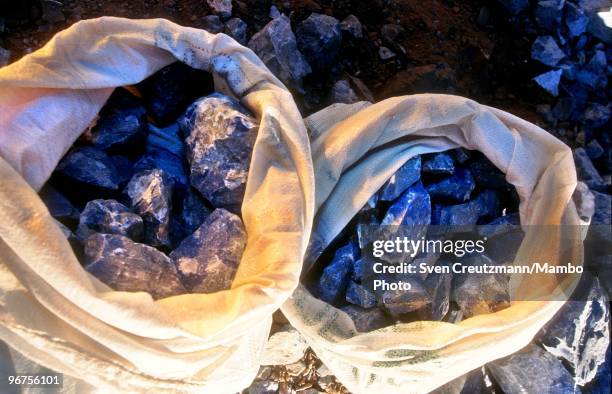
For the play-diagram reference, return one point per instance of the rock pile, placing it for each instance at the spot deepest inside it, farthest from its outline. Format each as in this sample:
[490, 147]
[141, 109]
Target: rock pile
[154, 189]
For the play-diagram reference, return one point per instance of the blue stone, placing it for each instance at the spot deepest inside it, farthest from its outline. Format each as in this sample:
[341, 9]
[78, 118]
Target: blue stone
[403, 178]
[457, 187]
[499, 226]
[461, 155]
[515, 6]
[413, 208]
[548, 13]
[485, 205]
[367, 320]
[237, 29]
[319, 37]
[59, 206]
[208, 259]
[546, 50]
[575, 20]
[487, 175]
[586, 171]
[398, 302]
[359, 295]
[220, 137]
[569, 69]
[167, 139]
[336, 275]
[594, 150]
[172, 165]
[549, 81]
[596, 115]
[598, 63]
[109, 217]
[188, 216]
[90, 166]
[563, 108]
[588, 78]
[120, 130]
[440, 163]
[439, 287]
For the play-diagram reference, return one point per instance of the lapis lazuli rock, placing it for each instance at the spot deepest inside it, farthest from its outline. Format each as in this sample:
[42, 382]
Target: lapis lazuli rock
[575, 20]
[487, 175]
[150, 195]
[486, 204]
[360, 295]
[188, 216]
[461, 155]
[336, 276]
[110, 217]
[404, 177]
[120, 130]
[59, 206]
[457, 187]
[398, 302]
[172, 165]
[548, 13]
[439, 163]
[125, 265]
[596, 115]
[413, 208]
[586, 170]
[237, 29]
[319, 37]
[166, 139]
[220, 137]
[277, 47]
[546, 50]
[549, 81]
[208, 259]
[594, 149]
[439, 287]
[366, 320]
[90, 166]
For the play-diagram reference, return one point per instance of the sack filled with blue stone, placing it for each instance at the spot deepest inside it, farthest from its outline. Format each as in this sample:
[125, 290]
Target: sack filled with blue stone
[158, 190]
[408, 166]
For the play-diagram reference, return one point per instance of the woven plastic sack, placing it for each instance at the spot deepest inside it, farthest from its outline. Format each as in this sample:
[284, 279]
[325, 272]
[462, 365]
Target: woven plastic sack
[51, 309]
[356, 148]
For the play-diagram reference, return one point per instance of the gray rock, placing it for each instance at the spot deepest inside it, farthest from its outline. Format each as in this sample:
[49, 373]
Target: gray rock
[274, 12]
[531, 370]
[188, 216]
[212, 24]
[343, 93]
[276, 46]
[584, 200]
[150, 195]
[172, 165]
[385, 53]
[220, 136]
[351, 26]
[485, 205]
[603, 212]
[237, 29]
[319, 37]
[548, 13]
[125, 265]
[5, 57]
[366, 320]
[208, 259]
[575, 20]
[439, 288]
[90, 167]
[458, 187]
[109, 217]
[223, 8]
[402, 179]
[286, 346]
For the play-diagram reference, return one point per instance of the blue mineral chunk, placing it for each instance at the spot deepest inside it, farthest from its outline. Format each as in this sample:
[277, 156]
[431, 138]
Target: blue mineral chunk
[336, 275]
[124, 167]
[360, 295]
[575, 20]
[596, 115]
[237, 29]
[598, 63]
[404, 177]
[367, 320]
[109, 217]
[461, 155]
[531, 370]
[125, 265]
[220, 136]
[586, 171]
[440, 163]
[439, 287]
[208, 259]
[172, 165]
[563, 108]
[487, 175]
[457, 187]
[546, 50]
[549, 81]
[120, 130]
[59, 206]
[188, 217]
[499, 225]
[488, 201]
[570, 69]
[548, 13]
[411, 208]
[398, 302]
[318, 38]
[150, 195]
[594, 149]
[90, 166]
[168, 139]
[485, 205]
[515, 6]
[358, 270]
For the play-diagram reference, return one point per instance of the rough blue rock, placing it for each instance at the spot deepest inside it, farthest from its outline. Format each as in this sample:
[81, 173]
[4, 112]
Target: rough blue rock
[343, 93]
[366, 320]
[357, 274]
[352, 27]
[150, 195]
[319, 37]
[59, 206]
[594, 149]
[603, 209]
[360, 295]
[124, 167]
[212, 24]
[461, 155]
[499, 225]
[575, 20]
[570, 69]
[188, 216]
[398, 302]
[548, 14]
[546, 50]
[172, 165]
[90, 167]
[439, 163]
[109, 217]
[120, 129]
[404, 177]
[167, 139]
[413, 208]
[515, 6]
[237, 29]
[277, 47]
[580, 332]
[531, 370]
[563, 109]
[336, 276]
[208, 259]
[487, 175]
[439, 287]
[596, 115]
[125, 265]
[485, 205]
[549, 81]
[586, 171]
[220, 137]
[457, 187]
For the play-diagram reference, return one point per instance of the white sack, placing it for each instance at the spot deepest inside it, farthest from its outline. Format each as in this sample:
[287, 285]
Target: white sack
[51, 309]
[355, 150]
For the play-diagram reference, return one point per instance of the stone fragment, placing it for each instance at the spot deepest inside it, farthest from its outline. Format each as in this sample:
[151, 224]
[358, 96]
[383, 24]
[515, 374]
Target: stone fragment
[352, 27]
[385, 53]
[603, 213]
[366, 320]
[277, 47]
[549, 81]
[319, 38]
[439, 163]
[515, 6]
[361, 89]
[461, 155]
[548, 13]
[336, 275]
[124, 167]
[173, 166]
[586, 170]
[575, 20]
[212, 24]
[546, 50]
[580, 332]
[398, 302]
[402, 179]
[220, 136]
[119, 130]
[439, 287]
[208, 259]
[457, 187]
[499, 226]
[109, 217]
[596, 115]
[531, 370]
[89, 167]
[223, 8]
[584, 200]
[485, 205]
[59, 206]
[286, 346]
[360, 295]
[125, 265]
[274, 12]
[487, 175]
[5, 57]
[343, 93]
[150, 195]
[358, 270]
[166, 139]
[237, 29]
[188, 216]
[413, 208]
